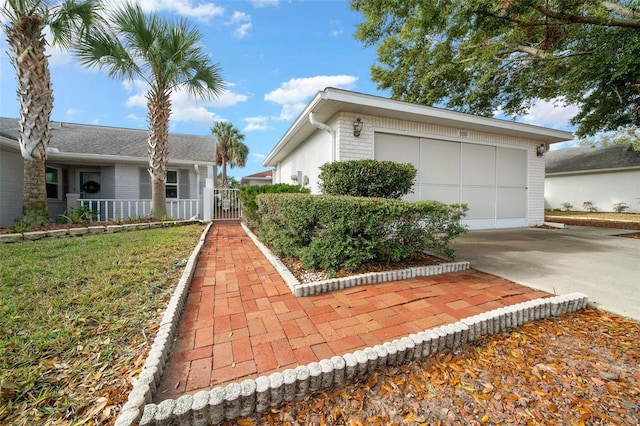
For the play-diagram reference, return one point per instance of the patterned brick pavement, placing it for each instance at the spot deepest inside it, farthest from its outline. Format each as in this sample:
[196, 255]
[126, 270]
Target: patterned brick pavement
[241, 321]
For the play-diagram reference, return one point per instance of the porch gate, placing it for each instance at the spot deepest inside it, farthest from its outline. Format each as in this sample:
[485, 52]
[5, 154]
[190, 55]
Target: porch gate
[226, 204]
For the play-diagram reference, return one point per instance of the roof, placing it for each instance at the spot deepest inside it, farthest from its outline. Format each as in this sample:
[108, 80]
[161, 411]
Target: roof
[330, 101]
[265, 175]
[82, 141]
[590, 159]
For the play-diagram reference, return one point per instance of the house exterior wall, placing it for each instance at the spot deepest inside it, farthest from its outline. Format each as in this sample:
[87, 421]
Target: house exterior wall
[307, 158]
[11, 187]
[603, 189]
[127, 181]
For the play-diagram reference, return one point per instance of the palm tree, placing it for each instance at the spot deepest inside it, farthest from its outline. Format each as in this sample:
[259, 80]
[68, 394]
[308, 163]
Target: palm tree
[167, 55]
[230, 150]
[24, 24]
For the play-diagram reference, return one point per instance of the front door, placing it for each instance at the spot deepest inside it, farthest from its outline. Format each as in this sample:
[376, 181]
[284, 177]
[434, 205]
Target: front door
[90, 185]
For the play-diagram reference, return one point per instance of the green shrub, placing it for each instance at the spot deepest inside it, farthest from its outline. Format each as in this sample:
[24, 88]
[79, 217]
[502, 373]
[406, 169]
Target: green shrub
[30, 219]
[82, 214]
[367, 178]
[342, 232]
[248, 198]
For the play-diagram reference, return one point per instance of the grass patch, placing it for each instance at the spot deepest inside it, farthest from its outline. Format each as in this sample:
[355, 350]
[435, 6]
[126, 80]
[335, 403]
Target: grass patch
[77, 317]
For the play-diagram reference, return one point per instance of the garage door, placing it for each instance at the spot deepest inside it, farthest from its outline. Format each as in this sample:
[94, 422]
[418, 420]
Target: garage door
[490, 180]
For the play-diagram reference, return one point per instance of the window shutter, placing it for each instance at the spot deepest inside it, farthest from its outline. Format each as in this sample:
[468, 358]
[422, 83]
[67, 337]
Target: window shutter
[145, 185]
[183, 184]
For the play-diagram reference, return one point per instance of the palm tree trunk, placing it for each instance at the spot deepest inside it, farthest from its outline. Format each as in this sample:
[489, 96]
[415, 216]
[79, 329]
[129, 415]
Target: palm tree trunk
[34, 197]
[223, 184]
[159, 106]
[35, 96]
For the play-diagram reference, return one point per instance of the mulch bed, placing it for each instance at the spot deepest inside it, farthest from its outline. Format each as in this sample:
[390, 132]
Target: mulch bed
[600, 223]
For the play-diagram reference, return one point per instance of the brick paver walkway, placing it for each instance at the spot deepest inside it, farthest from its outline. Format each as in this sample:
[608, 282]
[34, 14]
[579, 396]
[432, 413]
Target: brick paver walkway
[241, 321]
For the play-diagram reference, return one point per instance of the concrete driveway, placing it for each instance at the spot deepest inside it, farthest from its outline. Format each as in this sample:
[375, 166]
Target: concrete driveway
[583, 259]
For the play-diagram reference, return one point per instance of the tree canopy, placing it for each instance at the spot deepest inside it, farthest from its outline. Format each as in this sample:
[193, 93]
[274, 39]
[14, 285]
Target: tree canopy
[483, 56]
[230, 148]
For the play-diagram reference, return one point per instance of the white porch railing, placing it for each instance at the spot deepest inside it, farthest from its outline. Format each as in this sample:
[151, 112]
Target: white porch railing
[105, 210]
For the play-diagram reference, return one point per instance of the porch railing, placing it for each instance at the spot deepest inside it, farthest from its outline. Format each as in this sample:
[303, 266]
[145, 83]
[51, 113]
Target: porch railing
[105, 210]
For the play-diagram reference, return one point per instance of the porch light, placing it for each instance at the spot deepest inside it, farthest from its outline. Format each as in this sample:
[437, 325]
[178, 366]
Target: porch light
[541, 149]
[357, 127]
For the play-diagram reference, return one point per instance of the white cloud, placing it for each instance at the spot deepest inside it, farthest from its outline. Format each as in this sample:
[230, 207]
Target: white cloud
[256, 124]
[243, 30]
[293, 94]
[238, 17]
[242, 23]
[553, 114]
[264, 3]
[72, 112]
[203, 12]
[258, 157]
[184, 107]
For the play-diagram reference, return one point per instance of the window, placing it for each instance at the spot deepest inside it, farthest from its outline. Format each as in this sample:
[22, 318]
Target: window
[52, 179]
[172, 184]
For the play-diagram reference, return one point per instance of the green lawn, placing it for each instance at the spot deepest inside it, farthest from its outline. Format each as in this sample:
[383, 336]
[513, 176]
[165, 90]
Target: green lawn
[76, 319]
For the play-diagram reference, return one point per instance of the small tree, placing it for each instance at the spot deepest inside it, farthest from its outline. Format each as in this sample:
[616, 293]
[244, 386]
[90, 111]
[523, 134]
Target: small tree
[230, 149]
[367, 178]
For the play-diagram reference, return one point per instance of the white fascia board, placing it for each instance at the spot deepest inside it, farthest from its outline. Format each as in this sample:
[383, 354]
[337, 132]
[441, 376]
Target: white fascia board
[451, 118]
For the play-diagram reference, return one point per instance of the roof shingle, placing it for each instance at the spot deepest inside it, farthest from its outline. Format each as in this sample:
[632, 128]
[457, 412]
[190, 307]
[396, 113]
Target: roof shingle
[102, 140]
[590, 158]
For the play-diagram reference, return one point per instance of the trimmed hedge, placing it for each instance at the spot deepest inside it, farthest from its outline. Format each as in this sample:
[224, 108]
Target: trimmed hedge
[248, 198]
[342, 232]
[367, 178]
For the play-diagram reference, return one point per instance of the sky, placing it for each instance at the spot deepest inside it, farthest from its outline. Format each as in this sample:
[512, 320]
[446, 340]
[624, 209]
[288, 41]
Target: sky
[275, 55]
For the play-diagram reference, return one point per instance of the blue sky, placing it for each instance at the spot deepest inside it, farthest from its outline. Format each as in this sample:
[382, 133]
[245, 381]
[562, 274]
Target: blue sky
[275, 55]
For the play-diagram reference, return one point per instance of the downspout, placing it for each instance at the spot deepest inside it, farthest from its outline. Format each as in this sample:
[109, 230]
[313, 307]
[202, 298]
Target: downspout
[332, 132]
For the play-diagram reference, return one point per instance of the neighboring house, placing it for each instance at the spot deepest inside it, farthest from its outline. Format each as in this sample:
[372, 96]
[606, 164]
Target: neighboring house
[494, 166]
[261, 178]
[105, 163]
[603, 177]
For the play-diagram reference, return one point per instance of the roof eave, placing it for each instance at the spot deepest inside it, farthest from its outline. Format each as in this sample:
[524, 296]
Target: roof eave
[332, 101]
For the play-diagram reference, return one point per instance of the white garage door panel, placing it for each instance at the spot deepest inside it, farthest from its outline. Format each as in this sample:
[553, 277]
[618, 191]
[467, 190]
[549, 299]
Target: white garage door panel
[401, 149]
[448, 194]
[478, 164]
[481, 202]
[440, 162]
[491, 180]
[512, 188]
[512, 167]
[512, 203]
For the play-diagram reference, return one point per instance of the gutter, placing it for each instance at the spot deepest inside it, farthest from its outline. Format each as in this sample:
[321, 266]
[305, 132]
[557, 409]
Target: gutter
[327, 128]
